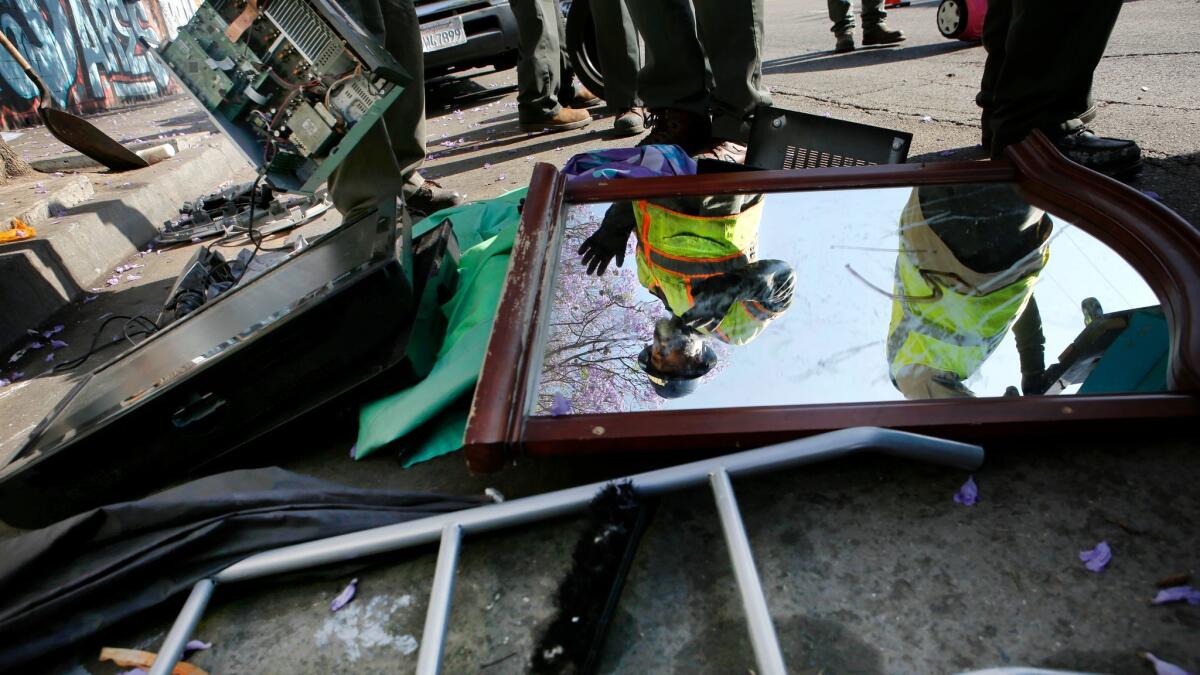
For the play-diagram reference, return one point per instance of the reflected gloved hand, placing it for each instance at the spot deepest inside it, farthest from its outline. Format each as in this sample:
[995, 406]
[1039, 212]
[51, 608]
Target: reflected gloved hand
[609, 241]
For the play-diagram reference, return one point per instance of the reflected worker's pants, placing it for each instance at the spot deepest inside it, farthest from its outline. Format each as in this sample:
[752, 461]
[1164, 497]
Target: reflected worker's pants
[676, 76]
[545, 80]
[620, 53]
[841, 13]
[385, 161]
[1041, 57]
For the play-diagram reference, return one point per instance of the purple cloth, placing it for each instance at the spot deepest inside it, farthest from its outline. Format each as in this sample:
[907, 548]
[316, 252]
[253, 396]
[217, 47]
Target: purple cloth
[647, 161]
[968, 494]
[1098, 558]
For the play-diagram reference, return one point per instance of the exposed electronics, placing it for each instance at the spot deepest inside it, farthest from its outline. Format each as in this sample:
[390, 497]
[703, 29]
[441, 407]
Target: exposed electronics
[315, 326]
[227, 212]
[294, 83]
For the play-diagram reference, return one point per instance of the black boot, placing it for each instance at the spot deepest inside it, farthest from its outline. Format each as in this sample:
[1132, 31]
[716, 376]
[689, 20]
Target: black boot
[1114, 157]
[431, 197]
[880, 34]
[844, 42]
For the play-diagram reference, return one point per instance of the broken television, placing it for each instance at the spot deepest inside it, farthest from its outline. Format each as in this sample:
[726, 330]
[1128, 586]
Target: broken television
[295, 84]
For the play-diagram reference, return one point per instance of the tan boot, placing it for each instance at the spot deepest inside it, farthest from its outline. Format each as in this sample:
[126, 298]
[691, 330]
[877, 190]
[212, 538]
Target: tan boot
[567, 118]
[584, 98]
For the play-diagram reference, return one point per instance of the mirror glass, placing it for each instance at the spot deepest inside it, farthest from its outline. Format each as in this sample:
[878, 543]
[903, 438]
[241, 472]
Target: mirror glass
[837, 297]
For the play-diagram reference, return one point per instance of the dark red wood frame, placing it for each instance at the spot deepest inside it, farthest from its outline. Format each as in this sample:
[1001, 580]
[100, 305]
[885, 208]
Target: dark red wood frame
[1163, 247]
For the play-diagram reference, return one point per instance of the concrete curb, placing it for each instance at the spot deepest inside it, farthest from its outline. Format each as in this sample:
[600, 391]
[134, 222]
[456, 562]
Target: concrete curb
[95, 222]
[75, 161]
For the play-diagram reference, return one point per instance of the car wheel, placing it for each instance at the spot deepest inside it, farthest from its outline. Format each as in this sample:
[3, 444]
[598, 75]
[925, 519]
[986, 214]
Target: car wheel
[581, 47]
[952, 18]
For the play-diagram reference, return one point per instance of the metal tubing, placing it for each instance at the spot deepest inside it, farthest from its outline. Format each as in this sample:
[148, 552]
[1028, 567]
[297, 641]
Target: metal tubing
[184, 626]
[758, 617]
[433, 639]
[540, 507]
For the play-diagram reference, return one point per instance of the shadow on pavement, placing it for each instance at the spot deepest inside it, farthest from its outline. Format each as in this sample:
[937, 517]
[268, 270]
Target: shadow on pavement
[828, 60]
[552, 142]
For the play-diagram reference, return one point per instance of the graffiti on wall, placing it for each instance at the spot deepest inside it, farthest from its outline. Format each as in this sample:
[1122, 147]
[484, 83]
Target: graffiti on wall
[87, 51]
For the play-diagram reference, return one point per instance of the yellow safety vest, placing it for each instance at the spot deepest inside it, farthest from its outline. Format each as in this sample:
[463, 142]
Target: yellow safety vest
[946, 316]
[674, 249]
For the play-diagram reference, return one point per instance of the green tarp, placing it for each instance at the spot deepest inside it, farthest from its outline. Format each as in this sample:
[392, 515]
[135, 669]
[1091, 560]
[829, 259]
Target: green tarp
[425, 415]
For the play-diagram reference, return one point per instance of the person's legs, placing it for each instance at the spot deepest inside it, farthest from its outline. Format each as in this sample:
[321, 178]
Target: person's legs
[841, 13]
[732, 33]
[1050, 50]
[620, 54]
[539, 73]
[995, 35]
[673, 81]
[385, 162]
[875, 30]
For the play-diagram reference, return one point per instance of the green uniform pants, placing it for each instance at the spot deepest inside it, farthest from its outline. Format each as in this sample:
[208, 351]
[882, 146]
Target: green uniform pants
[842, 14]
[385, 161]
[678, 34]
[545, 80]
[619, 52]
[1041, 56]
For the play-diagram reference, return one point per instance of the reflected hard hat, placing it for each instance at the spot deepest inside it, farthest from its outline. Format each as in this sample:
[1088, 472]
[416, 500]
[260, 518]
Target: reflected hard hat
[680, 383]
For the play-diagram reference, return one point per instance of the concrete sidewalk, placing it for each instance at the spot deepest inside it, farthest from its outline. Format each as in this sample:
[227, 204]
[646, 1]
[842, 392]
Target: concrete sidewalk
[90, 220]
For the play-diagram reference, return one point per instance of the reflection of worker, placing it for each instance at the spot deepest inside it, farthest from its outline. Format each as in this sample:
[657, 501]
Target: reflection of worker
[969, 258]
[698, 257]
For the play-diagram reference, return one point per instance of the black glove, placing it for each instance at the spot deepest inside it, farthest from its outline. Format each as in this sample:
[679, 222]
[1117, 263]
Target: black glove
[609, 241]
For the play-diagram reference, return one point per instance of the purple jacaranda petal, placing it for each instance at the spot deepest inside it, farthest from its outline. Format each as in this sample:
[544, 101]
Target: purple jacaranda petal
[16, 375]
[53, 331]
[1152, 195]
[35, 345]
[561, 405]
[195, 646]
[1098, 558]
[49, 357]
[345, 596]
[112, 281]
[135, 671]
[132, 277]
[89, 298]
[1177, 594]
[57, 344]
[4, 382]
[968, 494]
[1162, 667]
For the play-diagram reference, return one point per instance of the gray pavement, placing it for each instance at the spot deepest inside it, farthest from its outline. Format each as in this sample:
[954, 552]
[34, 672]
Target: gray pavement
[869, 565]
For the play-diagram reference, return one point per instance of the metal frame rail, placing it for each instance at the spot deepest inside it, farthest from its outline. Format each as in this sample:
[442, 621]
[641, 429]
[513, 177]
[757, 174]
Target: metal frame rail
[450, 528]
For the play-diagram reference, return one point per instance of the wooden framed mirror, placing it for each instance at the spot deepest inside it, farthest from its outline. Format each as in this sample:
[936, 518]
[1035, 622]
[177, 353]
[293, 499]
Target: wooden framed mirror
[923, 296]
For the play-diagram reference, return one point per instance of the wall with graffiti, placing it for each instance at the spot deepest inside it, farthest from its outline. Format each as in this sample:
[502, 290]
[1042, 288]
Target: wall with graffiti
[87, 52]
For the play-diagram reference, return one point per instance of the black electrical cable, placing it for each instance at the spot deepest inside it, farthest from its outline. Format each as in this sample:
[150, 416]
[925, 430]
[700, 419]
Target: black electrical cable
[96, 347]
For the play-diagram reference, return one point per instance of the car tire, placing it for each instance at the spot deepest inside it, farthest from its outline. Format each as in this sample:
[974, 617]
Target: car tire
[581, 47]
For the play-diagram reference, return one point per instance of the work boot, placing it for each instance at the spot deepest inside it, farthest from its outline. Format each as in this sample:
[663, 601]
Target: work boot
[630, 121]
[431, 197]
[880, 34]
[723, 151]
[845, 42]
[563, 120]
[1114, 157]
[584, 98]
[688, 130]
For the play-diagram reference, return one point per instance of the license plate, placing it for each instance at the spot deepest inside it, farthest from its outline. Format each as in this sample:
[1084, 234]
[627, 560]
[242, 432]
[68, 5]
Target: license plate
[442, 34]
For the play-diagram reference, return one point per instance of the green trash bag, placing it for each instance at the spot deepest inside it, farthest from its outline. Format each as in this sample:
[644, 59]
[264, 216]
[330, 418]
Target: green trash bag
[425, 413]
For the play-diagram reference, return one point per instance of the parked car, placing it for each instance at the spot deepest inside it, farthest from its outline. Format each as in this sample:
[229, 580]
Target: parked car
[463, 34]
